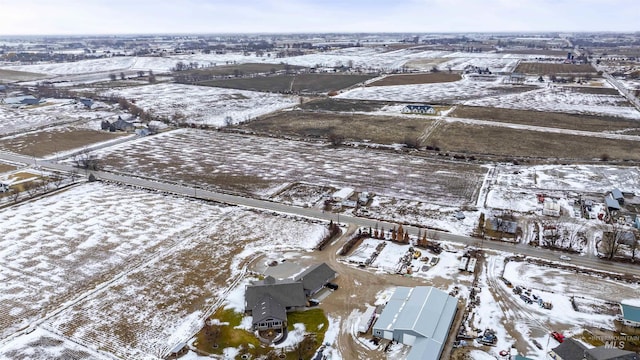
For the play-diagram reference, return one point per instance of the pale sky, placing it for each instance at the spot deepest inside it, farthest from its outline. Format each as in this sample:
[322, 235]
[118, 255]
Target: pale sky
[58, 17]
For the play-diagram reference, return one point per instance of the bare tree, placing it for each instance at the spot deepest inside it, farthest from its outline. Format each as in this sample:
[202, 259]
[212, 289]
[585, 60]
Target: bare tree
[122, 76]
[14, 194]
[228, 121]
[610, 242]
[113, 77]
[87, 161]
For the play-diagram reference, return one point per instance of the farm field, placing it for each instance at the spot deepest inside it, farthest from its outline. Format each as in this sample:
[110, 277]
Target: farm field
[13, 75]
[52, 112]
[343, 105]
[55, 140]
[201, 104]
[547, 119]
[544, 68]
[107, 248]
[236, 69]
[303, 83]
[438, 93]
[377, 129]
[409, 79]
[254, 165]
[560, 99]
[511, 143]
[6, 167]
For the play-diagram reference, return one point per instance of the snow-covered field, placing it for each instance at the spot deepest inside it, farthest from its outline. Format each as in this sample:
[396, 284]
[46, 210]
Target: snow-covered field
[204, 105]
[496, 93]
[258, 164]
[126, 271]
[363, 57]
[53, 112]
[561, 99]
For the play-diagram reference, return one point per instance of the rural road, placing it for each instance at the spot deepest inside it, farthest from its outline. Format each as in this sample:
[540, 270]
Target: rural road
[194, 192]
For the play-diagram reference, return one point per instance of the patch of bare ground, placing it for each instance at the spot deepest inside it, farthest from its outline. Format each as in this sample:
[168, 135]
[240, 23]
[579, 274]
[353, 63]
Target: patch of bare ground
[6, 167]
[553, 68]
[354, 127]
[494, 140]
[51, 141]
[595, 90]
[561, 53]
[337, 104]
[411, 79]
[595, 123]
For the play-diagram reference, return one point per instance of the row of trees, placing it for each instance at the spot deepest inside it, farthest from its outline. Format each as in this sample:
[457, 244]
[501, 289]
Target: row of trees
[151, 77]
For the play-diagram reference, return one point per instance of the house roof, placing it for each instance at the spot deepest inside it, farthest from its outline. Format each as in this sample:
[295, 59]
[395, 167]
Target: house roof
[604, 353]
[570, 350]
[612, 203]
[631, 310]
[267, 308]
[423, 311]
[617, 194]
[343, 193]
[316, 276]
[288, 293]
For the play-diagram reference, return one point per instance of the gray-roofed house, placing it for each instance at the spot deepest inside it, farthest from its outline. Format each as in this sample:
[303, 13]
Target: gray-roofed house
[570, 349]
[314, 278]
[22, 100]
[420, 317]
[607, 353]
[288, 293]
[268, 314]
[86, 102]
[121, 125]
[612, 204]
[617, 194]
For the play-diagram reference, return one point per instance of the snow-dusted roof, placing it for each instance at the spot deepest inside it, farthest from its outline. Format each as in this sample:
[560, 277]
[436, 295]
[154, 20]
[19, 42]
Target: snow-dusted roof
[343, 193]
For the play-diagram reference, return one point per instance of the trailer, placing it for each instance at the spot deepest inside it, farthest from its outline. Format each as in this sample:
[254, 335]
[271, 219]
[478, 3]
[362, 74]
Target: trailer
[471, 266]
[463, 263]
[366, 320]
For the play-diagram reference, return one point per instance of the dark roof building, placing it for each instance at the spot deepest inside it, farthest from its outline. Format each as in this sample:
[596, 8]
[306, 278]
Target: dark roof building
[314, 278]
[569, 350]
[268, 314]
[418, 109]
[607, 353]
[288, 293]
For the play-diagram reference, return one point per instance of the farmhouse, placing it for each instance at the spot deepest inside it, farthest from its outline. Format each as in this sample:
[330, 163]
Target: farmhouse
[419, 109]
[269, 300]
[420, 317]
[631, 312]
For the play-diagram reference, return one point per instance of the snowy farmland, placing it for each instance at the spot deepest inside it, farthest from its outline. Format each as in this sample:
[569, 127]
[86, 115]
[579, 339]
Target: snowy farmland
[255, 165]
[203, 105]
[126, 271]
[52, 112]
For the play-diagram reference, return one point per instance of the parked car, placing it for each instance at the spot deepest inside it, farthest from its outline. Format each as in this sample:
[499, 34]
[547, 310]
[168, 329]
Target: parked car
[537, 344]
[332, 286]
[526, 299]
[558, 336]
[565, 258]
